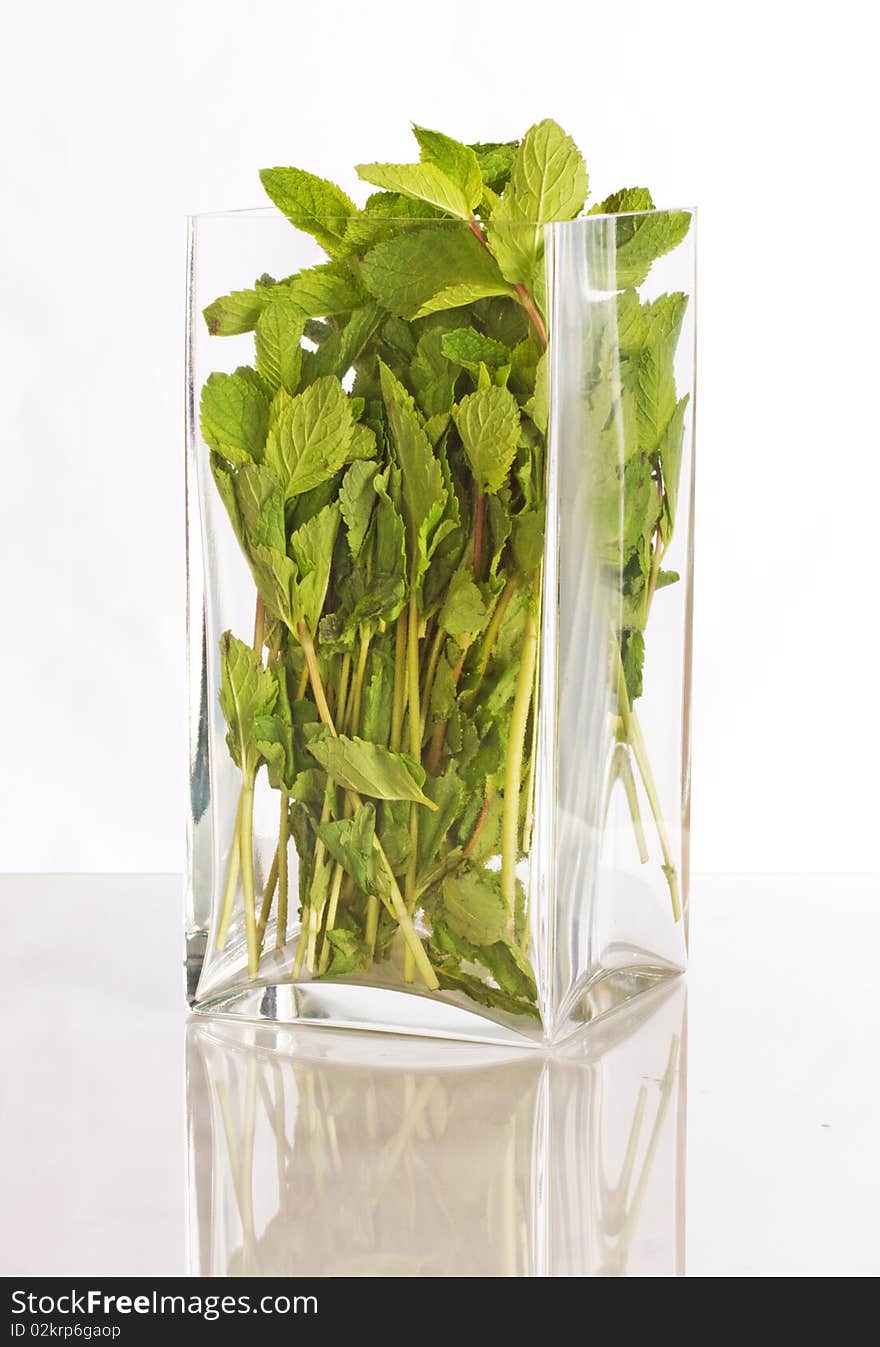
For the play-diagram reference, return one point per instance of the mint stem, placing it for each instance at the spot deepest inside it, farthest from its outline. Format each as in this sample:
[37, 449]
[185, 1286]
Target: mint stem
[415, 749]
[232, 872]
[513, 764]
[246, 844]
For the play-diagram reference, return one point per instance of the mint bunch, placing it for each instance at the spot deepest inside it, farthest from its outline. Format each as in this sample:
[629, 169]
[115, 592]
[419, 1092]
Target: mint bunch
[393, 525]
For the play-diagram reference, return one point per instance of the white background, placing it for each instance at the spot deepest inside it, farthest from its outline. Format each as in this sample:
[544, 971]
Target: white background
[116, 119]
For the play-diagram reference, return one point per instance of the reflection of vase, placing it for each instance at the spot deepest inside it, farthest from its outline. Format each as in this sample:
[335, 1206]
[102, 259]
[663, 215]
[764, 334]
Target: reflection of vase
[317, 1154]
[558, 887]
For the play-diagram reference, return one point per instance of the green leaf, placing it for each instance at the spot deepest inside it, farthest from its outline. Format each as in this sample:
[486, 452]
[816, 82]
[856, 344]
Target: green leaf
[548, 182]
[273, 736]
[488, 423]
[350, 842]
[235, 313]
[538, 405]
[458, 162]
[322, 291]
[247, 691]
[632, 655]
[234, 415]
[447, 792]
[654, 394]
[670, 450]
[470, 349]
[339, 352]
[357, 498]
[390, 544]
[527, 541]
[436, 267]
[311, 546]
[370, 769]
[423, 493]
[312, 204]
[473, 906]
[496, 160]
[349, 954]
[463, 610]
[627, 199]
[641, 239]
[376, 705]
[431, 375]
[279, 353]
[424, 181]
[309, 435]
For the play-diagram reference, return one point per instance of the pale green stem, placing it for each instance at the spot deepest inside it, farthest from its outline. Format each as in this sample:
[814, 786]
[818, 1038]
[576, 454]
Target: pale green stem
[398, 704]
[246, 843]
[231, 885]
[336, 886]
[283, 828]
[513, 764]
[268, 895]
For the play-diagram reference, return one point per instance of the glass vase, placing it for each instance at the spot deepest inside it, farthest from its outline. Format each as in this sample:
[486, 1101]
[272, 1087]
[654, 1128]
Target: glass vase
[439, 617]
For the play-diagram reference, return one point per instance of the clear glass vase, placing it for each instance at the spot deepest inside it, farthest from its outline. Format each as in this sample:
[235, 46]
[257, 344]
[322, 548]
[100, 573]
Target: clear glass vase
[445, 793]
[314, 1154]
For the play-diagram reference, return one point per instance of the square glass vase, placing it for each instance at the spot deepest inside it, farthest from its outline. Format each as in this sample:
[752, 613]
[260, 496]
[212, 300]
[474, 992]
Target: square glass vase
[439, 560]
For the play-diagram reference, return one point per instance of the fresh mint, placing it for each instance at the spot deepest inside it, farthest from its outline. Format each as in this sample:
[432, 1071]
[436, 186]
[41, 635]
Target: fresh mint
[382, 463]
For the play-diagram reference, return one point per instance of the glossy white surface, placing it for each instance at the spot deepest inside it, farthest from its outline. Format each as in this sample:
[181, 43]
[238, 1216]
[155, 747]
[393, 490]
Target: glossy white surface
[782, 1098]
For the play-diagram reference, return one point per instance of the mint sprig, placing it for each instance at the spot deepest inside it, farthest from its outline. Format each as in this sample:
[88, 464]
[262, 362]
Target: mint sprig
[382, 464]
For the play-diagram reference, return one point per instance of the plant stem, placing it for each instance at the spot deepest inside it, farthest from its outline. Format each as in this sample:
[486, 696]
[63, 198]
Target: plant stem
[396, 904]
[415, 749]
[633, 732]
[479, 529]
[622, 771]
[398, 704]
[353, 714]
[268, 895]
[259, 623]
[232, 870]
[320, 696]
[438, 737]
[522, 293]
[283, 826]
[246, 844]
[489, 639]
[430, 672]
[338, 876]
[513, 764]
[481, 821]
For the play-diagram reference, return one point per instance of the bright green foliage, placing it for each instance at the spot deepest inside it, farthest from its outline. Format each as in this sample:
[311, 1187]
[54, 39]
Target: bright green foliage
[382, 465]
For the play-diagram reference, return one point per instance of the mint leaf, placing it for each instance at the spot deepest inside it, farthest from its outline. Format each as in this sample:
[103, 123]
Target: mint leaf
[234, 313]
[376, 706]
[339, 352]
[627, 199]
[322, 291]
[424, 181]
[435, 267]
[488, 423]
[632, 655]
[234, 415]
[641, 239]
[496, 160]
[423, 494]
[447, 792]
[538, 405]
[669, 451]
[470, 349]
[431, 376]
[548, 182]
[369, 769]
[309, 435]
[357, 498]
[457, 162]
[348, 953]
[274, 739]
[350, 842]
[311, 546]
[247, 692]
[312, 204]
[279, 354]
[463, 610]
[473, 906]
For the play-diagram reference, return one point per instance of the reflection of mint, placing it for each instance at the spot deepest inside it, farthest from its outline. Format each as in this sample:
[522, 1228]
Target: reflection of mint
[394, 528]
